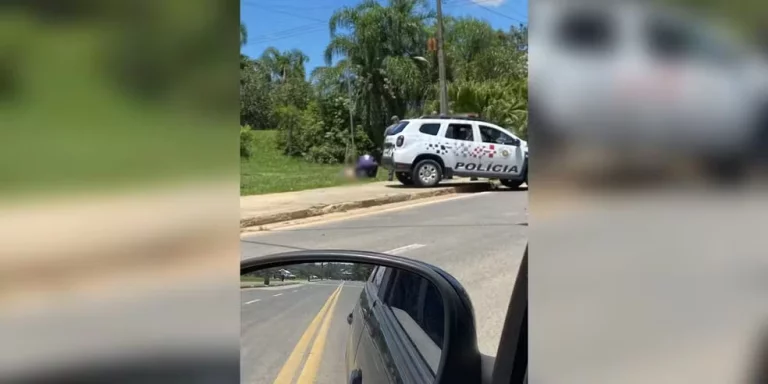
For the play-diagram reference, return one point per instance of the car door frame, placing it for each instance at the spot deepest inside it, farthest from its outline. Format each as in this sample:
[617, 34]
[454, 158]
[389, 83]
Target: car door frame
[516, 156]
[370, 315]
[513, 345]
[408, 359]
[463, 159]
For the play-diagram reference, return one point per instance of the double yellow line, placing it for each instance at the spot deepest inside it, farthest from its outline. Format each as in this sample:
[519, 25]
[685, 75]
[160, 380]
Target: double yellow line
[308, 374]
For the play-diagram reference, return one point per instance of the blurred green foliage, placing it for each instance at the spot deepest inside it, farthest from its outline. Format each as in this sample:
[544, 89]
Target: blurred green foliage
[247, 136]
[104, 94]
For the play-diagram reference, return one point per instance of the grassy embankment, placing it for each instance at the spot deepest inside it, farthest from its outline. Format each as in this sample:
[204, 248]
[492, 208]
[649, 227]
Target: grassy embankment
[270, 171]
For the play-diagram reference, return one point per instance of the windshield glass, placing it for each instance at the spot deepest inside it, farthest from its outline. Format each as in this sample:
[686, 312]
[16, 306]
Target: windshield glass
[395, 129]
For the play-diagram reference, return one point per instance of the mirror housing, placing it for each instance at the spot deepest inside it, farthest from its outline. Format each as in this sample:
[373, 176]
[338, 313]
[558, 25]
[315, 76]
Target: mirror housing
[460, 360]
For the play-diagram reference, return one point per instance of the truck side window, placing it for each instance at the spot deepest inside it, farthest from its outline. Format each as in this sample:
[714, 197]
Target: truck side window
[461, 132]
[494, 136]
[588, 30]
[669, 40]
[672, 39]
[430, 129]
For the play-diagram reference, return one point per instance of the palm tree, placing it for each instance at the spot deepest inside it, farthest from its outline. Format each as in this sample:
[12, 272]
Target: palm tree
[243, 40]
[384, 47]
[243, 34]
[284, 65]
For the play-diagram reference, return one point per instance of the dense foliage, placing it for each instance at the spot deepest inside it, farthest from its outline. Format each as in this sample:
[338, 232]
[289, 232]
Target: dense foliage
[378, 64]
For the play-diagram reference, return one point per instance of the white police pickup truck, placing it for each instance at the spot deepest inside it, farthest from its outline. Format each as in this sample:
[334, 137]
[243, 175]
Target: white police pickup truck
[425, 150]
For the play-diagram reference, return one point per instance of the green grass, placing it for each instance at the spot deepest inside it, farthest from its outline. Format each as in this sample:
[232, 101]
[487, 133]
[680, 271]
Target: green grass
[72, 128]
[270, 171]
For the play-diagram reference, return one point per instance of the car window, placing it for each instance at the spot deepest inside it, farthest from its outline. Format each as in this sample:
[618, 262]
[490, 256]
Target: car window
[587, 31]
[418, 307]
[459, 132]
[386, 281]
[430, 129]
[377, 276]
[673, 39]
[404, 293]
[433, 315]
[494, 136]
[669, 40]
[399, 127]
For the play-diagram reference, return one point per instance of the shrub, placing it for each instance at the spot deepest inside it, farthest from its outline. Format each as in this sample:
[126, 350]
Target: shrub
[319, 133]
[246, 142]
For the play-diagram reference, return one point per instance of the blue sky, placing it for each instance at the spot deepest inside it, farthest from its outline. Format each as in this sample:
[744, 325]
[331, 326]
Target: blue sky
[303, 24]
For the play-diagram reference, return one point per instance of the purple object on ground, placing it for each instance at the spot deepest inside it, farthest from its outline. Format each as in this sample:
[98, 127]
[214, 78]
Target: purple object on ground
[366, 166]
[366, 161]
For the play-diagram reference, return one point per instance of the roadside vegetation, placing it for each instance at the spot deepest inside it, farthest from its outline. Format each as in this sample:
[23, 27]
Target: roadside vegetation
[269, 170]
[384, 56]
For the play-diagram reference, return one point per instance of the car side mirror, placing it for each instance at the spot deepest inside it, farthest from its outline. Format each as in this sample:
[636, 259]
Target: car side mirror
[448, 345]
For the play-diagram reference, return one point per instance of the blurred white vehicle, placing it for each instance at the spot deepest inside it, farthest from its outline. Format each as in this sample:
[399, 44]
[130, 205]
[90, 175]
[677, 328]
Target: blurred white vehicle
[628, 76]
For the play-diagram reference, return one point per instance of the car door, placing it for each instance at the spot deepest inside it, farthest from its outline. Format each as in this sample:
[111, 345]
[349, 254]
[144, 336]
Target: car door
[414, 317]
[698, 77]
[461, 143]
[372, 363]
[502, 157]
[356, 323]
[403, 337]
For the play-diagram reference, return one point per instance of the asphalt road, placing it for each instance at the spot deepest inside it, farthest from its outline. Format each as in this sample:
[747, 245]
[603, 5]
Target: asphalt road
[653, 286]
[479, 239]
[274, 319]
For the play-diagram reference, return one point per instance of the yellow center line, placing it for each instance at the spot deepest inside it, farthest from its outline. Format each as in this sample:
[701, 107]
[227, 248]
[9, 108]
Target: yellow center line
[288, 371]
[311, 367]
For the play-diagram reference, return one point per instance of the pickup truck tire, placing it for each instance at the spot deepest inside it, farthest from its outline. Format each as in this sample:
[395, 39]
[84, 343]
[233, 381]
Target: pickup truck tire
[404, 178]
[512, 184]
[727, 171]
[427, 173]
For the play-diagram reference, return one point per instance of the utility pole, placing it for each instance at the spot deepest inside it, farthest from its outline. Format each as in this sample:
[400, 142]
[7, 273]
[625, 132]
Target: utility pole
[441, 60]
[353, 150]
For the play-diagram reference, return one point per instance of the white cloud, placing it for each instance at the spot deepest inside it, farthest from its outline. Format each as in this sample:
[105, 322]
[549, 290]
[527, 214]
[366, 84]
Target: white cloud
[489, 3]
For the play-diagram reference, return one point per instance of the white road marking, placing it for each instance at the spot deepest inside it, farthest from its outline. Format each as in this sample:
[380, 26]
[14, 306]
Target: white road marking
[405, 248]
[277, 295]
[253, 301]
[294, 291]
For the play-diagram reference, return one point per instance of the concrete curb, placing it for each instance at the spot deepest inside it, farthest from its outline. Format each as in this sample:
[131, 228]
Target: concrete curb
[320, 210]
[254, 286]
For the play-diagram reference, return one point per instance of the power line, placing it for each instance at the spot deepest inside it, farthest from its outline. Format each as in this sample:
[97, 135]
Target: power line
[270, 9]
[295, 8]
[289, 30]
[471, 2]
[275, 36]
[320, 25]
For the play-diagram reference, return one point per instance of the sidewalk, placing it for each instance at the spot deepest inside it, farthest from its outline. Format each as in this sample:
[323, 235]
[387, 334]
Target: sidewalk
[277, 207]
[272, 283]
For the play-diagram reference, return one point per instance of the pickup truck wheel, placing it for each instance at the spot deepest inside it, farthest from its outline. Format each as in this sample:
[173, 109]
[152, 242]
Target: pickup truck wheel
[727, 171]
[427, 173]
[512, 184]
[404, 178]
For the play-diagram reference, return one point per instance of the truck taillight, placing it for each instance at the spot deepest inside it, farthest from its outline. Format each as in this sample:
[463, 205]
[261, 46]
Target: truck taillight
[400, 141]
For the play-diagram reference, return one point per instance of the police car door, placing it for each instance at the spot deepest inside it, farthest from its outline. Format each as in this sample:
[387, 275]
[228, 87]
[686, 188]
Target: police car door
[500, 155]
[461, 140]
